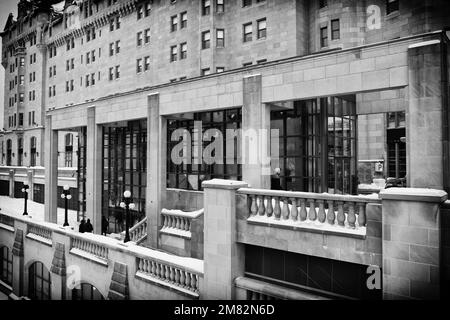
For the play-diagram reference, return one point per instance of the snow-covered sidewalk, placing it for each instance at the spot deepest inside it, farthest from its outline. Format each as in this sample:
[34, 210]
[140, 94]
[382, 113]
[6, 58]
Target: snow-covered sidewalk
[35, 210]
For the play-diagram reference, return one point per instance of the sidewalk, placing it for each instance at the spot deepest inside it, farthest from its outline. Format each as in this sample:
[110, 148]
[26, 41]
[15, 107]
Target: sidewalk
[35, 210]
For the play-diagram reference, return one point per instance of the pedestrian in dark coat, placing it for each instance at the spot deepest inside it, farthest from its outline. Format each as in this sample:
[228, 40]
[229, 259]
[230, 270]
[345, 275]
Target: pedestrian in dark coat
[82, 227]
[105, 224]
[88, 227]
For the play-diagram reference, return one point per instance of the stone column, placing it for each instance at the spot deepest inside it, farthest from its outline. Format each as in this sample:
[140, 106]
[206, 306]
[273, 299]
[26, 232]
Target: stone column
[51, 171]
[223, 257]
[156, 168]
[11, 183]
[58, 273]
[256, 129]
[94, 171]
[411, 242]
[424, 117]
[30, 174]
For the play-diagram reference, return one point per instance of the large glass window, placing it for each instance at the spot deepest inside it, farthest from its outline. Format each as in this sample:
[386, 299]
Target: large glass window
[38, 282]
[20, 152]
[316, 146]
[190, 175]
[6, 265]
[68, 151]
[32, 151]
[396, 144]
[124, 168]
[81, 172]
[8, 152]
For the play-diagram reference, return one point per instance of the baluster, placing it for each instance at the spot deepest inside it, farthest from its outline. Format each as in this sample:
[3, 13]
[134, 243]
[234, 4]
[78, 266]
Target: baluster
[294, 209]
[351, 217]
[303, 213]
[157, 271]
[285, 211]
[140, 265]
[261, 207]
[362, 214]
[171, 274]
[188, 280]
[167, 273]
[153, 268]
[312, 210]
[188, 225]
[341, 214]
[331, 215]
[143, 265]
[177, 225]
[177, 276]
[169, 221]
[182, 223]
[194, 282]
[269, 207]
[182, 278]
[164, 220]
[253, 207]
[321, 215]
[277, 209]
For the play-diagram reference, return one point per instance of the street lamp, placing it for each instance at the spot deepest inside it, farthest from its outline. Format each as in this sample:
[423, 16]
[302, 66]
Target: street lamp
[25, 196]
[66, 196]
[127, 205]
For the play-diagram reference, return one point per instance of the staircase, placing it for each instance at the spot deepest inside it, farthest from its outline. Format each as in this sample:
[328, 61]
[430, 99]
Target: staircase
[138, 233]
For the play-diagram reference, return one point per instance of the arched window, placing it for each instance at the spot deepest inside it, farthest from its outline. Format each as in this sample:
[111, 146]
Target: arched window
[32, 151]
[68, 149]
[86, 291]
[6, 265]
[20, 152]
[39, 282]
[8, 152]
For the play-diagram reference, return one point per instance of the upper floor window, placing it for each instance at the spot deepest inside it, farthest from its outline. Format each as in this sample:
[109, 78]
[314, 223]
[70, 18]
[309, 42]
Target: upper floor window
[220, 69]
[138, 65]
[111, 2]
[173, 53]
[392, 6]
[206, 39]
[335, 29]
[206, 71]
[262, 28]
[173, 23]
[140, 12]
[323, 3]
[247, 31]
[114, 23]
[147, 9]
[206, 7]
[183, 51]
[220, 6]
[220, 38]
[246, 3]
[147, 35]
[183, 18]
[139, 38]
[146, 63]
[22, 61]
[324, 37]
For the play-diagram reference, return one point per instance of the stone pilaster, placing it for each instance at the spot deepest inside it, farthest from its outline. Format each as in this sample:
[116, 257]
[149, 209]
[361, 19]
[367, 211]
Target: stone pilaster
[58, 270]
[411, 243]
[17, 252]
[223, 256]
[51, 171]
[118, 289]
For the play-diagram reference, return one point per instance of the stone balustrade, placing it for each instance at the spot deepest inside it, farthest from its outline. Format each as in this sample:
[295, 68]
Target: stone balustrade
[178, 222]
[138, 232]
[95, 249]
[39, 233]
[176, 276]
[336, 213]
[6, 220]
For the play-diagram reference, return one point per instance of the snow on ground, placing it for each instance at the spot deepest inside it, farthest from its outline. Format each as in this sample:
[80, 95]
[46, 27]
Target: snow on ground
[35, 210]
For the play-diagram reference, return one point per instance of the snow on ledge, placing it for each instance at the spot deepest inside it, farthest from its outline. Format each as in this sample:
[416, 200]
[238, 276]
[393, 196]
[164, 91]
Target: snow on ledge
[39, 238]
[6, 227]
[89, 256]
[179, 213]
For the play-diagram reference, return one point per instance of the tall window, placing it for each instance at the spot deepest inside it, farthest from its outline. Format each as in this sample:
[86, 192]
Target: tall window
[206, 7]
[246, 3]
[173, 23]
[262, 28]
[173, 53]
[140, 12]
[396, 144]
[39, 282]
[32, 151]
[220, 38]
[139, 65]
[147, 36]
[335, 29]
[146, 63]
[8, 152]
[190, 175]
[324, 37]
[6, 265]
[247, 32]
[20, 150]
[220, 6]
[68, 149]
[117, 69]
[183, 18]
[317, 143]
[206, 39]
[323, 3]
[139, 38]
[392, 6]
[183, 51]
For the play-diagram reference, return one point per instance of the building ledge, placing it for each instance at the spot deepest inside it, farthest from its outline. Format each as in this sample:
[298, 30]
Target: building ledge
[414, 194]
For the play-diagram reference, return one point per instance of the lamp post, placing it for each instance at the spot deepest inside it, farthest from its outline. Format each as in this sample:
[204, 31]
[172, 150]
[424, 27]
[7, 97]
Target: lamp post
[25, 196]
[127, 205]
[66, 196]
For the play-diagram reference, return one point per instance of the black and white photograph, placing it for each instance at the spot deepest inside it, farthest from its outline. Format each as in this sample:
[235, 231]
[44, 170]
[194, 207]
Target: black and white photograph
[224, 155]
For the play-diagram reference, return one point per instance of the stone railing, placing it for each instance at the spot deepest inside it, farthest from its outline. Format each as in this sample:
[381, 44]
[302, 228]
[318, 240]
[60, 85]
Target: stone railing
[6, 220]
[177, 222]
[312, 211]
[138, 232]
[39, 233]
[89, 249]
[176, 276]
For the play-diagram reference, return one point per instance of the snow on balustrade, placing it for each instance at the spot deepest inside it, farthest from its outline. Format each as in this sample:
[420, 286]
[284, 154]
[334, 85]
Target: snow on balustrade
[313, 211]
[96, 252]
[163, 273]
[139, 231]
[178, 222]
[39, 233]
